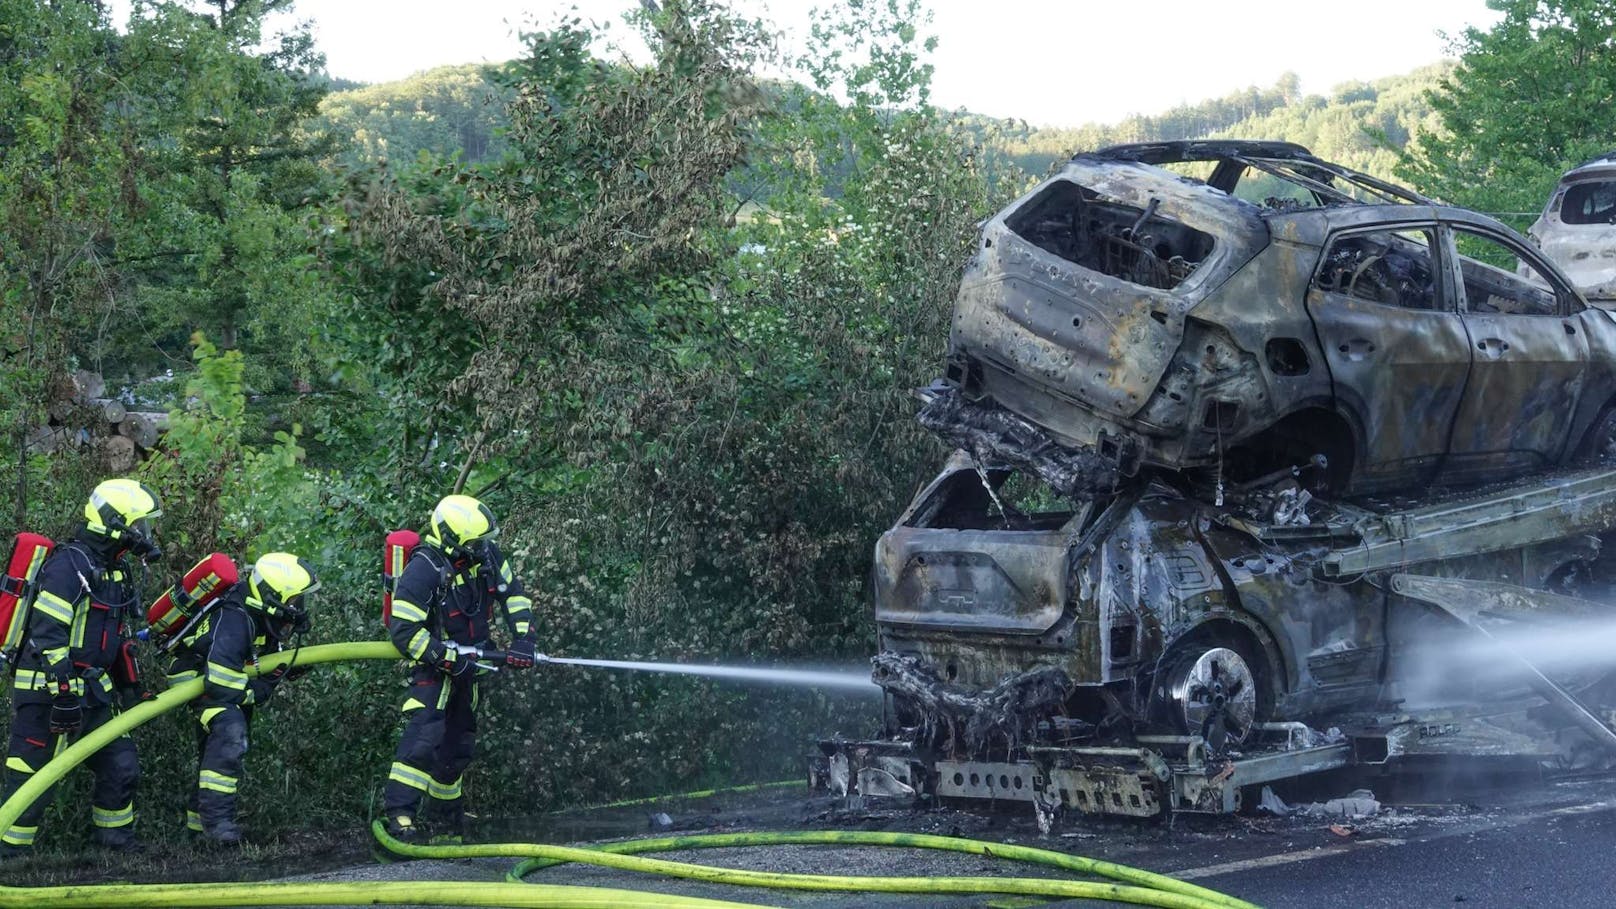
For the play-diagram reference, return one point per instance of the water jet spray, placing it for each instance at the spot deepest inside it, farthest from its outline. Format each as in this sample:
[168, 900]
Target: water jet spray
[845, 680]
[806, 678]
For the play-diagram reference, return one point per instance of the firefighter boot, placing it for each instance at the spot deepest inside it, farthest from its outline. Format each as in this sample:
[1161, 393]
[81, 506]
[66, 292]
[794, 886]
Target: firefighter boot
[223, 832]
[118, 839]
[445, 822]
[402, 827]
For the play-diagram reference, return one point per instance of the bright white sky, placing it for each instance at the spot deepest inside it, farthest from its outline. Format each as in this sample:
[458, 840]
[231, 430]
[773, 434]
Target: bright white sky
[1050, 62]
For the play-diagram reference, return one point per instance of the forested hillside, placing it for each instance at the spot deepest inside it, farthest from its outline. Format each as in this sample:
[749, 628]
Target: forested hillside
[444, 111]
[1362, 124]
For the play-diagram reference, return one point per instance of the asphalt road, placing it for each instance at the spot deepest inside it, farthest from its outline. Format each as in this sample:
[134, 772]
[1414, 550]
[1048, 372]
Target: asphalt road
[1510, 845]
[1561, 857]
[1536, 845]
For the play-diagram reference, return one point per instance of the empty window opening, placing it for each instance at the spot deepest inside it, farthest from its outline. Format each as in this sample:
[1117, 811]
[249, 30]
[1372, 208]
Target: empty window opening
[1138, 245]
[1498, 280]
[1019, 501]
[1589, 203]
[1392, 268]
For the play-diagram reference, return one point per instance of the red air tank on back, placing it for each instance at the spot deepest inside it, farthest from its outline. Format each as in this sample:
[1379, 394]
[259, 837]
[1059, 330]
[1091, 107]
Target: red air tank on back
[179, 604]
[17, 588]
[395, 555]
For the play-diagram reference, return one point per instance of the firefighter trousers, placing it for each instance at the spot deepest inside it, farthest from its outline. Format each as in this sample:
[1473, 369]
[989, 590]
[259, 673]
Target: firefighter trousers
[116, 769]
[435, 749]
[221, 744]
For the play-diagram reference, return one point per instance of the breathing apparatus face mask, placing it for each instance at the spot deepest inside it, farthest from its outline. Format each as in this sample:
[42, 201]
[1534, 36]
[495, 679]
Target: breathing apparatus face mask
[139, 541]
[474, 552]
[288, 618]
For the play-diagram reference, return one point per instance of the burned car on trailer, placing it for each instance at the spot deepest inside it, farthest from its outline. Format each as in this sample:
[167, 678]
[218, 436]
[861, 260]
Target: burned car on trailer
[1205, 398]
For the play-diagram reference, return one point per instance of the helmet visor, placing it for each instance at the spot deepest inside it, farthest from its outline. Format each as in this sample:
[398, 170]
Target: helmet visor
[290, 615]
[297, 610]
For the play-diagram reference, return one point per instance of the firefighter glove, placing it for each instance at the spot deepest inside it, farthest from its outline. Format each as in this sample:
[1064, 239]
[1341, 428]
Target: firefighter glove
[458, 663]
[521, 655]
[66, 714]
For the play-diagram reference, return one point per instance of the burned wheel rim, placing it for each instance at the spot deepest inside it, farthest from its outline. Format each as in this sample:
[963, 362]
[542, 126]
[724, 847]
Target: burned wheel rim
[1214, 695]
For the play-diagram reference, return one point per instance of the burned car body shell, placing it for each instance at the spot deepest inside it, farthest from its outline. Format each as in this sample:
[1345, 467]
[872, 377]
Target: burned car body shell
[1577, 229]
[982, 603]
[1065, 649]
[1138, 316]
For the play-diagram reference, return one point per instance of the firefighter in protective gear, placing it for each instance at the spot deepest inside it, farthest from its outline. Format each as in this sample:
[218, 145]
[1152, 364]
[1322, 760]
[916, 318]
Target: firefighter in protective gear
[443, 600]
[76, 632]
[254, 617]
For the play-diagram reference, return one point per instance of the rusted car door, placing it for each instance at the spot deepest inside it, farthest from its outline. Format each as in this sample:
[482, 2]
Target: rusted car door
[1396, 346]
[1530, 355]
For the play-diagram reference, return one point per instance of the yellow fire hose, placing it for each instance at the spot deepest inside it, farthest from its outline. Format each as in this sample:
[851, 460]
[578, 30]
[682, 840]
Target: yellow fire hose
[394, 893]
[1064, 861]
[1172, 893]
[1139, 887]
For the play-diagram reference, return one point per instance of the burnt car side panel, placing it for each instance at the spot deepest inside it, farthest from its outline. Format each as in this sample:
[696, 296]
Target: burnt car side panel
[1528, 364]
[1526, 380]
[1598, 327]
[1259, 306]
[1171, 572]
[1328, 640]
[1150, 579]
[1388, 363]
[1096, 342]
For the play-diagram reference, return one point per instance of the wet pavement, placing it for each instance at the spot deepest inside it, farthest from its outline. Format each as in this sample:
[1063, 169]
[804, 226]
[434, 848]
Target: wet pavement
[1508, 844]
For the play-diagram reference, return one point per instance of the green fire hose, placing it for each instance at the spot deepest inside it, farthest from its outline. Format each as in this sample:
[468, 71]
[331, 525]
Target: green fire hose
[1137, 887]
[145, 711]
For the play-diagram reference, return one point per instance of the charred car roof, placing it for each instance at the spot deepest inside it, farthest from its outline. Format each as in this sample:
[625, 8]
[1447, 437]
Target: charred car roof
[1331, 183]
[1606, 158]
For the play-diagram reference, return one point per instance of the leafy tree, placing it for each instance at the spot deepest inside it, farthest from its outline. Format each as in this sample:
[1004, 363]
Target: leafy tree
[1531, 96]
[64, 182]
[229, 167]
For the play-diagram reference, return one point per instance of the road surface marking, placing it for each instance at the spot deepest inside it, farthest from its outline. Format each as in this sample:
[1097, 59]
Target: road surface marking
[1283, 858]
[1316, 852]
[1589, 808]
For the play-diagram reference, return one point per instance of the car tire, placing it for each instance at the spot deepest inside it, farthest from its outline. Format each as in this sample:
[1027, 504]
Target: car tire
[1213, 688]
[1599, 444]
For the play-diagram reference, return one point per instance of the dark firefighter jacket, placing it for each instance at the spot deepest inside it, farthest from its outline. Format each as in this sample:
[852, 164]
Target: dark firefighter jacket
[228, 639]
[76, 624]
[437, 601]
